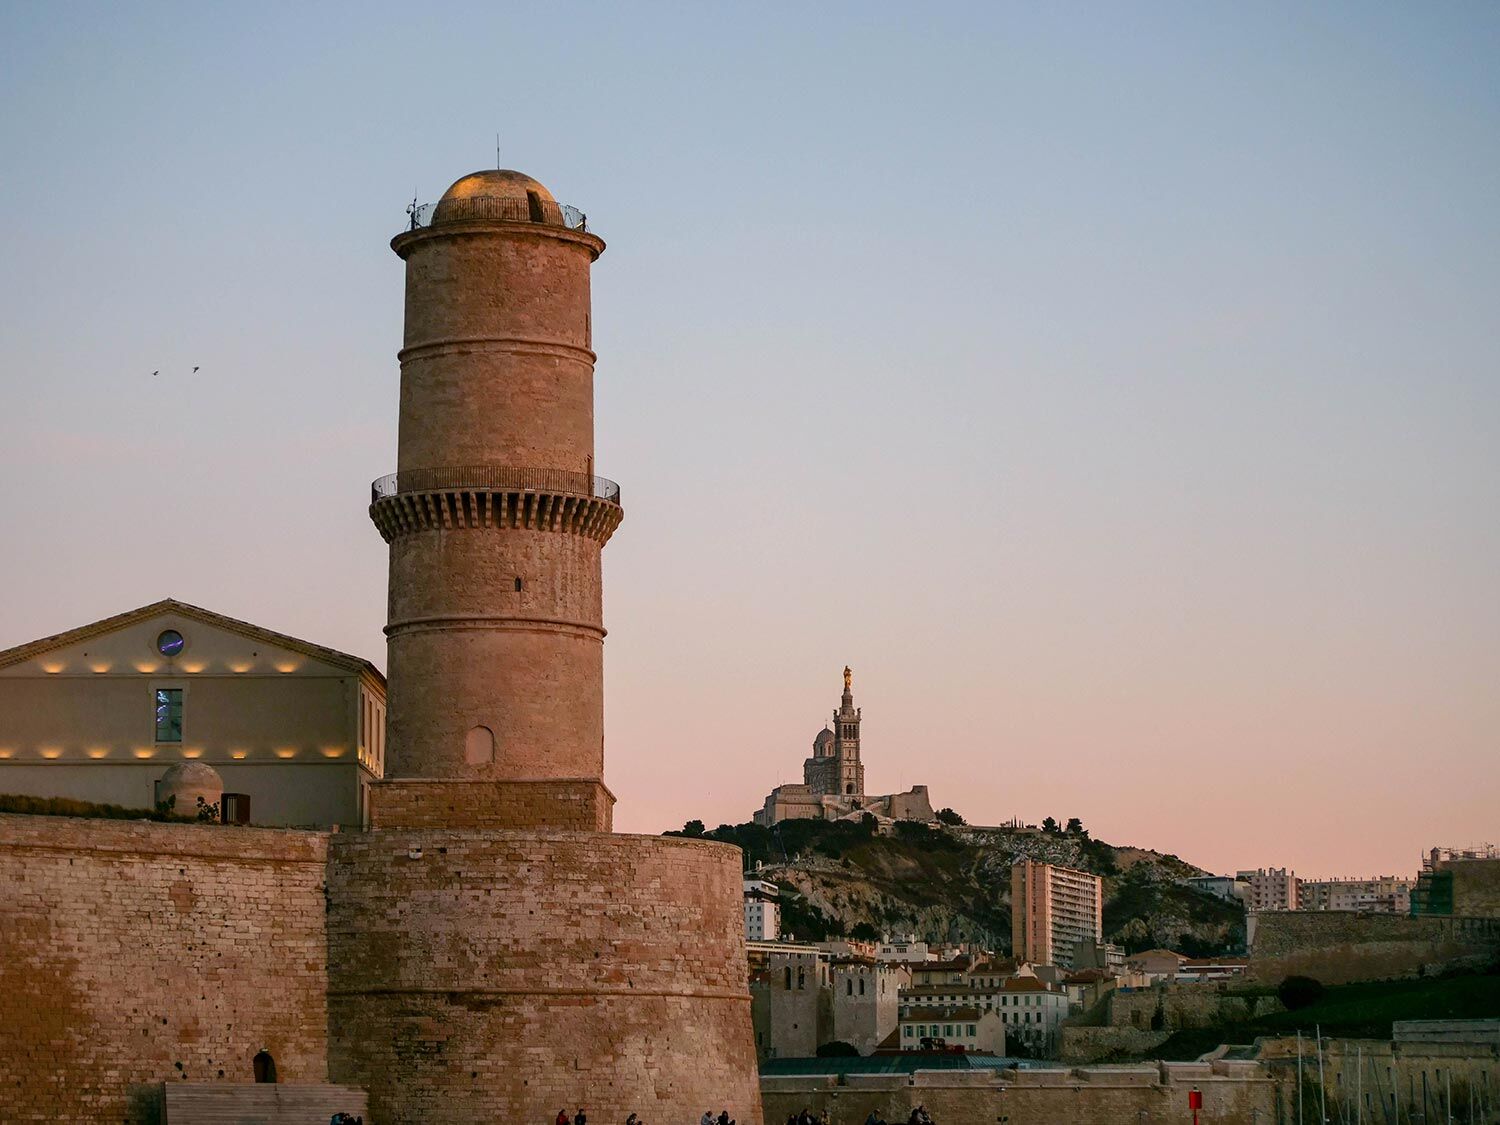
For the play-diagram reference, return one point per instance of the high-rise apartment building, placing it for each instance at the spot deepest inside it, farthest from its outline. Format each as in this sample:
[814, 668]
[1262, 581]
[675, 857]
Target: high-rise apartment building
[1053, 909]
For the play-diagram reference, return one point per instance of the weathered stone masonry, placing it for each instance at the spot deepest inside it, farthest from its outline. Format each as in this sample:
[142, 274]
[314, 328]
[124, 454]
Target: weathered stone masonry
[477, 976]
[136, 953]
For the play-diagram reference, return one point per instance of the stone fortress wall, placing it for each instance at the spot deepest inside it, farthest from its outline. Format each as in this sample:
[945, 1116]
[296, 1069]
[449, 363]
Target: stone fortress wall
[458, 975]
[134, 953]
[1234, 1093]
[1337, 947]
[1476, 887]
[475, 976]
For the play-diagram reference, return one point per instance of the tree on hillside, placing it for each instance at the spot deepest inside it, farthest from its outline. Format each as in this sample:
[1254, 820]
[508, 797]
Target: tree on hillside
[1075, 827]
[1299, 992]
[1049, 825]
[837, 1048]
[948, 816]
[693, 828]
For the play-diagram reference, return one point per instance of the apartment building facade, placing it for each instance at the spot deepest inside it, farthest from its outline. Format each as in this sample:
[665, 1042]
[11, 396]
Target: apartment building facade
[1054, 910]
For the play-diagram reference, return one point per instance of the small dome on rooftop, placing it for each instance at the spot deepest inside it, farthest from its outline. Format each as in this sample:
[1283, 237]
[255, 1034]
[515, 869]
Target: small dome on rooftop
[184, 784]
[501, 183]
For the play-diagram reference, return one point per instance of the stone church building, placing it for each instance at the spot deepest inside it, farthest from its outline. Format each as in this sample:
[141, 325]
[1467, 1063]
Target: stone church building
[833, 779]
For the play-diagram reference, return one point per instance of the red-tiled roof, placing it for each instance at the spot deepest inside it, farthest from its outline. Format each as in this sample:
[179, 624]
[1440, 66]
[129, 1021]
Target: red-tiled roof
[930, 1014]
[995, 968]
[1088, 976]
[1023, 984]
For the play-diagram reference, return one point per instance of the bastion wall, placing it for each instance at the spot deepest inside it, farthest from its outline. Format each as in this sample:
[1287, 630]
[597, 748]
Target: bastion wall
[1476, 887]
[1232, 1095]
[1337, 947]
[133, 953]
[499, 976]
[1173, 1006]
[457, 975]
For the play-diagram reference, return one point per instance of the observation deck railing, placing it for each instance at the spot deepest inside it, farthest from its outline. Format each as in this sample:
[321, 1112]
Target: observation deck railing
[495, 478]
[504, 207]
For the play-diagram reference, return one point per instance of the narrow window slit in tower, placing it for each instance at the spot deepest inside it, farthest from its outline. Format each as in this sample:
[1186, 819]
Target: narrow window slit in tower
[534, 205]
[518, 584]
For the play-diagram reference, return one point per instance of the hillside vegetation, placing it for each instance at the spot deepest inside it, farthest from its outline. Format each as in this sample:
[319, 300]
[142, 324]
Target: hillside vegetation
[952, 883]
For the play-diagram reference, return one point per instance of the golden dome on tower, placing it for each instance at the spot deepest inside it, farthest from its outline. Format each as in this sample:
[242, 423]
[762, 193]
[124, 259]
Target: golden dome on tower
[498, 194]
[497, 183]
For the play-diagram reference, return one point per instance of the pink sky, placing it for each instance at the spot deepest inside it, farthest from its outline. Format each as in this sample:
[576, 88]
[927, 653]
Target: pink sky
[1115, 391]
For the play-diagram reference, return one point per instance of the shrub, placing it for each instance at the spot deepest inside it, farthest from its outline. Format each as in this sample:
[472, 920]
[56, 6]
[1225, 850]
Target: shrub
[1299, 992]
[65, 806]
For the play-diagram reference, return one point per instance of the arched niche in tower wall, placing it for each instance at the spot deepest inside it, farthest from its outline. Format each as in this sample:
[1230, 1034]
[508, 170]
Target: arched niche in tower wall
[479, 746]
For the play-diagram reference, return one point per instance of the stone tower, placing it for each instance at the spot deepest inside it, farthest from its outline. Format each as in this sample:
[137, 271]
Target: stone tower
[494, 951]
[835, 770]
[851, 771]
[494, 517]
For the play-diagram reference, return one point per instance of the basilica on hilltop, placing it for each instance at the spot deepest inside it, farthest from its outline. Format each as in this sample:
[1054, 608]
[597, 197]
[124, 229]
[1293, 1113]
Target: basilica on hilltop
[833, 779]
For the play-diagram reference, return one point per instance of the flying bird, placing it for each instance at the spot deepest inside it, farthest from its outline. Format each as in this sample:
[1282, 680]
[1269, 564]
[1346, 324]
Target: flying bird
[195, 370]
[155, 373]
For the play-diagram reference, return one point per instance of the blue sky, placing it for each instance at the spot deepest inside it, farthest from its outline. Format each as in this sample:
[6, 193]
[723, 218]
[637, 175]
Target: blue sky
[1114, 387]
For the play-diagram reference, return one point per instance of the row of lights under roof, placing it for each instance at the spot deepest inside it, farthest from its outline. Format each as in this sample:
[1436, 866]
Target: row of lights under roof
[54, 667]
[52, 753]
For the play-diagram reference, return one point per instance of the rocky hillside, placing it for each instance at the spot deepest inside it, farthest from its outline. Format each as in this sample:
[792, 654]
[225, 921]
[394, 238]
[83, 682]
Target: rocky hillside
[952, 883]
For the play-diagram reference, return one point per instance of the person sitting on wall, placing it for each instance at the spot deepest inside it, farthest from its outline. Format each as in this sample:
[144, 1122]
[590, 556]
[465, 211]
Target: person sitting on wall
[580, 1118]
[874, 1119]
[634, 1120]
[724, 1118]
[563, 1118]
[707, 1118]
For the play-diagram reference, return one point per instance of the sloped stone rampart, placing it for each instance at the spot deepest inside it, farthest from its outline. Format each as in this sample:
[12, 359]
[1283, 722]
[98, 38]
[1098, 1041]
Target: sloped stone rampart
[1175, 1006]
[1338, 947]
[1101, 1044]
[133, 952]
